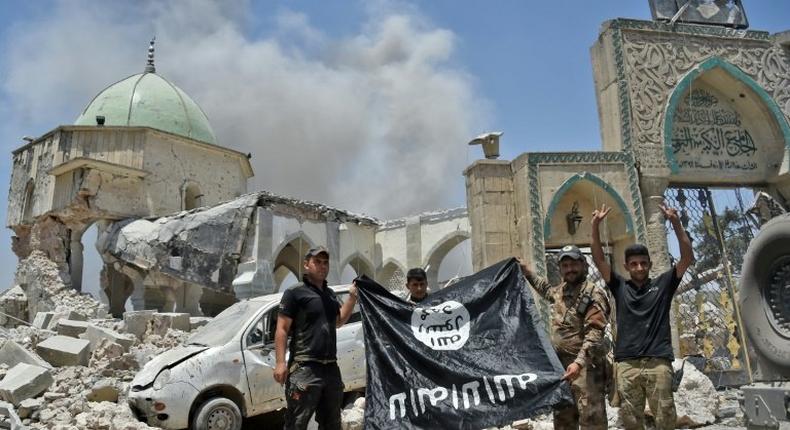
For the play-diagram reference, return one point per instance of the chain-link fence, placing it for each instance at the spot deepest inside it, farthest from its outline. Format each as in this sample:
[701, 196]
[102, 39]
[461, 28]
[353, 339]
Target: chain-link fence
[705, 308]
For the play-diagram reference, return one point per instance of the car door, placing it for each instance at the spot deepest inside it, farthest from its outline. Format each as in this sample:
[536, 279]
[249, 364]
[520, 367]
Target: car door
[351, 348]
[259, 360]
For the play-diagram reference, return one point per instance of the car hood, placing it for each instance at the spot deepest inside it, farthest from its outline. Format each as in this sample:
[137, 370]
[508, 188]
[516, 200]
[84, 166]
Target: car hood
[165, 360]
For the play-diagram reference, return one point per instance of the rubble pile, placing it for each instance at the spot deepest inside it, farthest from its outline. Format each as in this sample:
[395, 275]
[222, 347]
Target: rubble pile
[41, 290]
[69, 371]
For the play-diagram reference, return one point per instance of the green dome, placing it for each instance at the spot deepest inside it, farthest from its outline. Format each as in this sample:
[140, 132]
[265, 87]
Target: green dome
[149, 100]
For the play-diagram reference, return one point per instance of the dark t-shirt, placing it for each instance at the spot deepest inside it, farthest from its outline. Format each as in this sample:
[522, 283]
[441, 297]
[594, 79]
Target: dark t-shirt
[643, 328]
[314, 312]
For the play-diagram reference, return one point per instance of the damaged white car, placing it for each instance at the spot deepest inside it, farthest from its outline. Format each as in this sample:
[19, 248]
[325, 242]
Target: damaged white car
[224, 372]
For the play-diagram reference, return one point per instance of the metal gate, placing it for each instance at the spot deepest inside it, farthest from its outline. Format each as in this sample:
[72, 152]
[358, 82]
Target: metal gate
[706, 313]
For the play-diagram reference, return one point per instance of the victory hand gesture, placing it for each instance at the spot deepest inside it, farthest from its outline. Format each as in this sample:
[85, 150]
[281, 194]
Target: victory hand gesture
[600, 214]
[671, 214]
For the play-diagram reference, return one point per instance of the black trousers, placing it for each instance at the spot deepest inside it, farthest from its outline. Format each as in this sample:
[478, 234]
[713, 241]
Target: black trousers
[313, 388]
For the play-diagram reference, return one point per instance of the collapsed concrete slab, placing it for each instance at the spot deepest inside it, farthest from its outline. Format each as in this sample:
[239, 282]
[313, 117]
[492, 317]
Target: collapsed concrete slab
[72, 328]
[94, 335]
[11, 354]
[65, 351]
[24, 381]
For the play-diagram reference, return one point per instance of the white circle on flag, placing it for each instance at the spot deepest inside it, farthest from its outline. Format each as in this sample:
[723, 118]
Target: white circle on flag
[443, 327]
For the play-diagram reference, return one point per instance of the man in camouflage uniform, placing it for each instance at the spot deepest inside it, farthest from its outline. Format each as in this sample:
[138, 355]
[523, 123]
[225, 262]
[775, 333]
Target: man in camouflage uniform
[579, 313]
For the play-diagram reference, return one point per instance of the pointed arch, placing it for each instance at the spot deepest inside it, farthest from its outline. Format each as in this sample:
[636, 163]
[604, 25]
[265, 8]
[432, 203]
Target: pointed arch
[440, 249]
[361, 265]
[290, 253]
[682, 87]
[389, 268]
[596, 181]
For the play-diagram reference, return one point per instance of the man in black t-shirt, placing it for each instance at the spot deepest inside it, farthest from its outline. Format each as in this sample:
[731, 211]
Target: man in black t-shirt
[310, 313]
[643, 349]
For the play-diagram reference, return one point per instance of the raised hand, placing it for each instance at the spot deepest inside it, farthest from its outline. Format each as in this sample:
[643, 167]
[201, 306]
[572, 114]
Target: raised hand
[671, 214]
[600, 214]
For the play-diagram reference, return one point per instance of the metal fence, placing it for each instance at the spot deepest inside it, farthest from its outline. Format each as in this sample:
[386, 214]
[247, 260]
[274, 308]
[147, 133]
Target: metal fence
[705, 311]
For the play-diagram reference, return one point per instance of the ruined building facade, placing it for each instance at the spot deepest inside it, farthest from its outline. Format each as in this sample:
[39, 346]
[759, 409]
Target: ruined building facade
[177, 228]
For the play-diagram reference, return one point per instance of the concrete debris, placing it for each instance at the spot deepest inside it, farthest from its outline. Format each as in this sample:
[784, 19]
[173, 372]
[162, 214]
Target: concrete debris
[136, 322]
[24, 381]
[13, 307]
[95, 335]
[696, 401]
[71, 328]
[197, 322]
[28, 406]
[104, 391]
[64, 351]
[162, 322]
[41, 280]
[42, 319]
[9, 418]
[11, 354]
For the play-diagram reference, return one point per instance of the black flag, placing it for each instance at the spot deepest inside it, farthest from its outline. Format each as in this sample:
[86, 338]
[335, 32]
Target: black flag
[470, 356]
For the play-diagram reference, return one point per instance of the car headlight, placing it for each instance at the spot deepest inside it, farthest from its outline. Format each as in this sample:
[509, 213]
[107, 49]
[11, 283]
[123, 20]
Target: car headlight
[162, 379]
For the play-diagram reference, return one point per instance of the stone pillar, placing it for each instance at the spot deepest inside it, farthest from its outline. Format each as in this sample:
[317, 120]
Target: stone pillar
[490, 202]
[75, 259]
[653, 196]
[138, 285]
[117, 287]
[333, 245]
[170, 299]
[255, 276]
[413, 242]
[190, 295]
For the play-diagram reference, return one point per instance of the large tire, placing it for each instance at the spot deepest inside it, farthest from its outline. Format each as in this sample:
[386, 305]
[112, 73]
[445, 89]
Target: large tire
[764, 295]
[217, 413]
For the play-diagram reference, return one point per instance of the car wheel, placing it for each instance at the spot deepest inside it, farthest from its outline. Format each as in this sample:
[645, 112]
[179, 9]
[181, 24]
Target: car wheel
[217, 413]
[764, 296]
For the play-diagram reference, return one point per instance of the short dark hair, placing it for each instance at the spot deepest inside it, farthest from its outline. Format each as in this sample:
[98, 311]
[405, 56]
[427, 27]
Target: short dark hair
[636, 249]
[416, 273]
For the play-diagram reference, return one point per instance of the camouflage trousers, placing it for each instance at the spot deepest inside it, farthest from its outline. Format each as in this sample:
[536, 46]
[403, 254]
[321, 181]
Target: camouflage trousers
[648, 379]
[588, 391]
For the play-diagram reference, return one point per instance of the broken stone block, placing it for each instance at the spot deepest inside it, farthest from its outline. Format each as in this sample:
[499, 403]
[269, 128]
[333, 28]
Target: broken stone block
[136, 322]
[96, 334]
[7, 411]
[12, 354]
[64, 315]
[170, 320]
[103, 391]
[696, 400]
[28, 406]
[197, 322]
[72, 328]
[42, 319]
[65, 351]
[24, 381]
[13, 305]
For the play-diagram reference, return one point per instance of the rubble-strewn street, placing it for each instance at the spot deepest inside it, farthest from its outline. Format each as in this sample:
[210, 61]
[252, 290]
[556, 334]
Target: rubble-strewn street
[65, 373]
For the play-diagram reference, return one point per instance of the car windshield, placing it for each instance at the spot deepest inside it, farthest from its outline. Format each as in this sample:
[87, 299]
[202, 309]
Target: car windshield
[224, 326]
